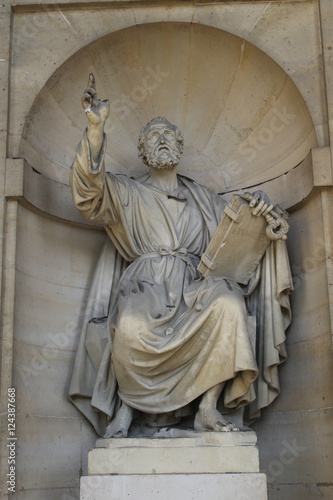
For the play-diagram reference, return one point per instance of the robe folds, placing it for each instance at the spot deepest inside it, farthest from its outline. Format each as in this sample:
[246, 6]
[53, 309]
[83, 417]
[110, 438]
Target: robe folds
[155, 333]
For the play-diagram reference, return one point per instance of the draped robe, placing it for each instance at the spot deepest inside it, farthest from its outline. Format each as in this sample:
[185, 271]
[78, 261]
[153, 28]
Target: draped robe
[167, 335]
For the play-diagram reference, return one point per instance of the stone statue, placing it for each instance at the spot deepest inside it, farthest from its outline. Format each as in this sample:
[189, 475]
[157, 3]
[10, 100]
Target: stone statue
[158, 339]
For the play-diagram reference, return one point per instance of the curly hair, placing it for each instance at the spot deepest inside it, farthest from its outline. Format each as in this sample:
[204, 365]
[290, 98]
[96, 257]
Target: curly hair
[141, 141]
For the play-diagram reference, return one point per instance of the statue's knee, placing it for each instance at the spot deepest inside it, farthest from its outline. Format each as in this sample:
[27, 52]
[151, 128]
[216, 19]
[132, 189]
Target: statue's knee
[230, 302]
[126, 324]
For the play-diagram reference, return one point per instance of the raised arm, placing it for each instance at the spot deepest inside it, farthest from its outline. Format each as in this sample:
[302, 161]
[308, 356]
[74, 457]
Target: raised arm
[97, 112]
[87, 176]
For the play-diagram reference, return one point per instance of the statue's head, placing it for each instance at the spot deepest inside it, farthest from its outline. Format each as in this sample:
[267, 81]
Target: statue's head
[160, 144]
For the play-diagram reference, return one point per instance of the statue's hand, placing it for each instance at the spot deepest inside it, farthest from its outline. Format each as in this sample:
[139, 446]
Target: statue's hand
[97, 111]
[260, 203]
[276, 216]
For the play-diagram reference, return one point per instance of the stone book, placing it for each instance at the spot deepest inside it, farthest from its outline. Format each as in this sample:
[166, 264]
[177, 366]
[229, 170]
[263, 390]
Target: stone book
[237, 245]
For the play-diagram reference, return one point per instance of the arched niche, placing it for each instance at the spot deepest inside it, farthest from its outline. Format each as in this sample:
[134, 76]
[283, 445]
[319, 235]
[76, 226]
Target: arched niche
[243, 119]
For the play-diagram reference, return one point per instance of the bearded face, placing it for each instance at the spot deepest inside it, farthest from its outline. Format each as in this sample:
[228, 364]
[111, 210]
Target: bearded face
[160, 145]
[162, 157]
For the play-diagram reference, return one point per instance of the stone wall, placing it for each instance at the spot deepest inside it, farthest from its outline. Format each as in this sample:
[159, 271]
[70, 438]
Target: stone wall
[250, 84]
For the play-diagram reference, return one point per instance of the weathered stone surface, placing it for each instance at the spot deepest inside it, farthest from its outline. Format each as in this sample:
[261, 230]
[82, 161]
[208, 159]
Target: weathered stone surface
[307, 491]
[69, 253]
[43, 38]
[298, 447]
[54, 494]
[295, 378]
[307, 250]
[211, 452]
[41, 378]
[167, 486]
[249, 105]
[322, 168]
[52, 462]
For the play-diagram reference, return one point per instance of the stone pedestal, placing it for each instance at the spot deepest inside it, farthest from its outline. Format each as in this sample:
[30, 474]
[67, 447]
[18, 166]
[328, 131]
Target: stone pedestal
[196, 466]
[175, 487]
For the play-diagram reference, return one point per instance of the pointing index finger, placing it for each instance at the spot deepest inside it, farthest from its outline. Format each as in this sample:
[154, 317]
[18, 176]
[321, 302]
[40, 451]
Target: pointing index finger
[91, 81]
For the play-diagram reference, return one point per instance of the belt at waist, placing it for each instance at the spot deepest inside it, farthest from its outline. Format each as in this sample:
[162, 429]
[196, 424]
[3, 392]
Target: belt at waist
[164, 251]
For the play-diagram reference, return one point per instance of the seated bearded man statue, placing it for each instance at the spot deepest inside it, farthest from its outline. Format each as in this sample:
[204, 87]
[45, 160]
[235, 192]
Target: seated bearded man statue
[158, 339]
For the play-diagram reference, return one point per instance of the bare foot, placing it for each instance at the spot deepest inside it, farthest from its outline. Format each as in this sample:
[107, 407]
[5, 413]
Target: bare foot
[209, 419]
[118, 427]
